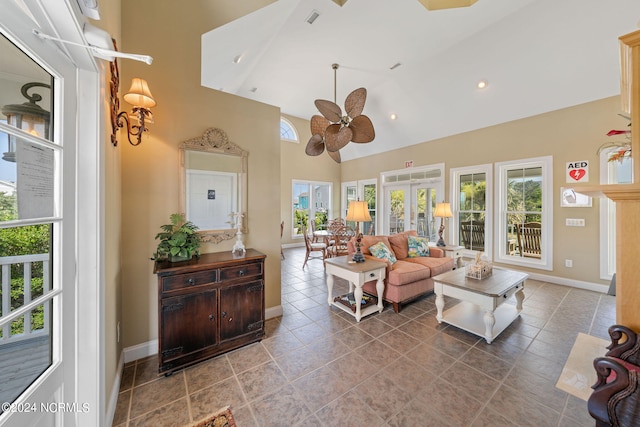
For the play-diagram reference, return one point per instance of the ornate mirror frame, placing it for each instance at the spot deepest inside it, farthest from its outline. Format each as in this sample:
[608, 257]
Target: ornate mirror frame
[215, 140]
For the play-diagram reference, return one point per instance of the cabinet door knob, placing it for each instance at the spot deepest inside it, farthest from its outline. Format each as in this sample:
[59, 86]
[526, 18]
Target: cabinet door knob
[372, 274]
[191, 282]
[224, 314]
[241, 272]
[230, 319]
[211, 317]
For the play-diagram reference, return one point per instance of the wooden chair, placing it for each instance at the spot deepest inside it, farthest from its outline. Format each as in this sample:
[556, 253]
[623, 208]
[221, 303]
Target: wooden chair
[615, 401]
[340, 238]
[281, 231]
[313, 247]
[529, 238]
[472, 235]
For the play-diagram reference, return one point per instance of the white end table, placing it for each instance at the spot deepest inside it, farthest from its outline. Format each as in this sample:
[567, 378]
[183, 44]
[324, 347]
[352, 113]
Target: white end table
[481, 310]
[455, 252]
[356, 274]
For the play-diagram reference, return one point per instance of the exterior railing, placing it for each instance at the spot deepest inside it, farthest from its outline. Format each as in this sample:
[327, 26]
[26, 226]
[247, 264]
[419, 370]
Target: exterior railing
[5, 267]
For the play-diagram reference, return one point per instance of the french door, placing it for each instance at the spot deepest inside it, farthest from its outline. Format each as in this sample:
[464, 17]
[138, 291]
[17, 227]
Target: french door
[46, 191]
[410, 207]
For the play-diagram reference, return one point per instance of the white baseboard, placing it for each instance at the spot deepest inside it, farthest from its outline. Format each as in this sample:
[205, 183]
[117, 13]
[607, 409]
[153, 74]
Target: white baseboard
[272, 312]
[140, 351]
[115, 391]
[589, 286]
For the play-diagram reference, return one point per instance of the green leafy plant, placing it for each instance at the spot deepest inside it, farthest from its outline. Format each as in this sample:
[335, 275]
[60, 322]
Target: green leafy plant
[178, 240]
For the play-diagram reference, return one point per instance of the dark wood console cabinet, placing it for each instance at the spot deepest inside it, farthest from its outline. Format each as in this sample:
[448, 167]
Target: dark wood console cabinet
[208, 306]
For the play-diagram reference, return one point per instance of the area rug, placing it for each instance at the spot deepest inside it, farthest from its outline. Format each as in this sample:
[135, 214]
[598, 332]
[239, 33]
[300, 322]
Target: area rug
[221, 418]
[578, 374]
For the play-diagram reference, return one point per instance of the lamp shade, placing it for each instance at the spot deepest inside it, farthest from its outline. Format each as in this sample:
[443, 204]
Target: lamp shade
[358, 211]
[139, 94]
[443, 210]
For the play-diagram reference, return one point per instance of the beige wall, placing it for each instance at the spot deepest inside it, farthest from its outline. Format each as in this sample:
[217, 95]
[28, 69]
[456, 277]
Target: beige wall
[570, 134]
[170, 33]
[297, 165]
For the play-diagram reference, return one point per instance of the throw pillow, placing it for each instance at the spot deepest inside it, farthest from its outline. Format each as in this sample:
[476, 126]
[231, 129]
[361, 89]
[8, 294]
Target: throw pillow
[418, 246]
[380, 250]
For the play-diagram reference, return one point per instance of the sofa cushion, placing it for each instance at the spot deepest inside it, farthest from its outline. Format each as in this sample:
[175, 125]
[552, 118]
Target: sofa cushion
[418, 246]
[399, 243]
[403, 272]
[434, 265]
[368, 241]
[380, 250]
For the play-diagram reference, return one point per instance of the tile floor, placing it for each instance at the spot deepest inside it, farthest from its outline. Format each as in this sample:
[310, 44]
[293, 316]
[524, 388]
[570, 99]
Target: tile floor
[318, 367]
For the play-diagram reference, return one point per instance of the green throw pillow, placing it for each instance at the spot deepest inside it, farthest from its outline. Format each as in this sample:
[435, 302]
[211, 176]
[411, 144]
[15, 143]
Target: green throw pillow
[380, 250]
[418, 246]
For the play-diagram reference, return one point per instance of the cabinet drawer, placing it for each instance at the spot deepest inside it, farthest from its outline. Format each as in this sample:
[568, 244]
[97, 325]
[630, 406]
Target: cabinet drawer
[241, 271]
[181, 281]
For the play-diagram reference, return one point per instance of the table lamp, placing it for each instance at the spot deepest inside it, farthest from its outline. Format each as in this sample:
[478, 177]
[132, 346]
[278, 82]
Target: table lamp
[443, 210]
[358, 212]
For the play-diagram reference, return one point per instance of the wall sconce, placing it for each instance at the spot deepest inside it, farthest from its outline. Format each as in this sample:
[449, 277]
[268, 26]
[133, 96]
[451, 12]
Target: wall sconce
[140, 97]
[28, 116]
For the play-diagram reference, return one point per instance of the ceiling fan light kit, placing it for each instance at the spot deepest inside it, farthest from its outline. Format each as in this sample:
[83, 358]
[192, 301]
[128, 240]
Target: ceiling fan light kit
[333, 130]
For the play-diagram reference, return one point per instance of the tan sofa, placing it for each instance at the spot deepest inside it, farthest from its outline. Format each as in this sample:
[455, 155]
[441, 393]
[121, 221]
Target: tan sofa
[407, 278]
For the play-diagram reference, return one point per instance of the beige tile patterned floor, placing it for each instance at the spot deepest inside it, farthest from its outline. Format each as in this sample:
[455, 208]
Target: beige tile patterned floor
[318, 367]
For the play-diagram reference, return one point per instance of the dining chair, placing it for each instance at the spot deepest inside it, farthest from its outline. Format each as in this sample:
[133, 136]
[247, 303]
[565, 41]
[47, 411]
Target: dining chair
[313, 247]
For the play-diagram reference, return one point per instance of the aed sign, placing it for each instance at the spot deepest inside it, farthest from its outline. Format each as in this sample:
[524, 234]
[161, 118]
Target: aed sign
[578, 171]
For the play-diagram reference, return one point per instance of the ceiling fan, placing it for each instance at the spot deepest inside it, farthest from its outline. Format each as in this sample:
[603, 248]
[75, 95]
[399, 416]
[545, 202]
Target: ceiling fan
[334, 131]
[432, 4]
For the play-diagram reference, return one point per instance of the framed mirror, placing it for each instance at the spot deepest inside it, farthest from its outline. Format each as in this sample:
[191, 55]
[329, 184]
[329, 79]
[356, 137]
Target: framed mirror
[213, 173]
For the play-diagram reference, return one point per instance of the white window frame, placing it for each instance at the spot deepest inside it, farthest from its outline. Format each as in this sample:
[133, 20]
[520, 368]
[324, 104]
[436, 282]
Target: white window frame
[455, 174]
[500, 233]
[359, 185]
[609, 175]
[311, 201]
[293, 129]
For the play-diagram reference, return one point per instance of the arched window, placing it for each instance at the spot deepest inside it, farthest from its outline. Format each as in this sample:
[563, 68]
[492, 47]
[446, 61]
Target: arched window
[288, 131]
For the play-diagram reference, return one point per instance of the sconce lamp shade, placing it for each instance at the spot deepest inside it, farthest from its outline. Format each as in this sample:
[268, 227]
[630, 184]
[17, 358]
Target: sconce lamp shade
[139, 94]
[443, 210]
[358, 211]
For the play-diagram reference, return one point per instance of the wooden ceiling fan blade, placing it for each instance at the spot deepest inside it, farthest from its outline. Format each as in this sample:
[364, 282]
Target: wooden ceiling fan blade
[315, 146]
[337, 137]
[335, 155]
[319, 124]
[363, 130]
[329, 109]
[354, 104]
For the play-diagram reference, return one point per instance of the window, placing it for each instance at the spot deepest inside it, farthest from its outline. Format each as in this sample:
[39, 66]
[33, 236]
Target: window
[361, 190]
[611, 172]
[310, 200]
[288, 131]
[525, 210]
[470, 199]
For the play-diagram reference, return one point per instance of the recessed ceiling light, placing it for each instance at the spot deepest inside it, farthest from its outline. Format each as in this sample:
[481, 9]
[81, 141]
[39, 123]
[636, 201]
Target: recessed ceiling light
[237, 59]
[394, 66]
[393, 116]
[253, 89]
[483, 84]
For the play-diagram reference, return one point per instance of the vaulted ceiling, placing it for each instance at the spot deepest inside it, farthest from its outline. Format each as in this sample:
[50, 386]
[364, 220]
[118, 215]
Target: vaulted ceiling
[424, 66]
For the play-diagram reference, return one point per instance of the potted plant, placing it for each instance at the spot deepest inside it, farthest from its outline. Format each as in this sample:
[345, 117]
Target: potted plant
[179, 241]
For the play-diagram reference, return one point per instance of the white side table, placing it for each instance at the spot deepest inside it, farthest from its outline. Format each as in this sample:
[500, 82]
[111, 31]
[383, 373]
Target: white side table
[455, 252]
[356, 274]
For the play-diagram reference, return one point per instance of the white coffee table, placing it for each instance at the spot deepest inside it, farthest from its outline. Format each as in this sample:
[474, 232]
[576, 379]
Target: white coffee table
[481, 310]
[357, 274]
